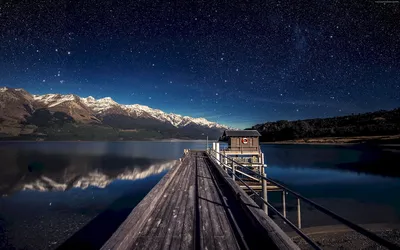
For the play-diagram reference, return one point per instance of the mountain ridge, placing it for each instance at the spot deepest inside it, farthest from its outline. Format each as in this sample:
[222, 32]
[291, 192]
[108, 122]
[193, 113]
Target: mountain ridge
[102, 104]
[22, 113]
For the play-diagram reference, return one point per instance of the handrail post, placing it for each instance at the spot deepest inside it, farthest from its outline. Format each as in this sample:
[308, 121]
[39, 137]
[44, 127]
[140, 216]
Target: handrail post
[298, 214]
[264, 193]
[233, 171]
[225, 159]
[284, 202]
[213, 150]
[217, 151]
[226, 165]
[262, 164]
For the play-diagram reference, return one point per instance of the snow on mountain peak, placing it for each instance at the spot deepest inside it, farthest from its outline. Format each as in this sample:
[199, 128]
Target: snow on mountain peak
[53, 100]
[107, 100]
[174, 119]
[99, 105]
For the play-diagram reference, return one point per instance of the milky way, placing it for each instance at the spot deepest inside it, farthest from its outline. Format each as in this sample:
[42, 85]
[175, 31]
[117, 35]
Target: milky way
[233, 62]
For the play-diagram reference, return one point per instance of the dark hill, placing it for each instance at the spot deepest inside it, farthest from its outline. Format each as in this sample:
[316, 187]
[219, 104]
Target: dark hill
[368, 124]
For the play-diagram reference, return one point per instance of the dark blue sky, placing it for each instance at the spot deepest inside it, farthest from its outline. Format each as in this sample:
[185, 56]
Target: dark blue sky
[233, 62]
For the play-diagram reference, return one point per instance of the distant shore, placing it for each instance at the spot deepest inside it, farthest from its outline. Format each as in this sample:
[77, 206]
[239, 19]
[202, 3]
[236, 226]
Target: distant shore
[392, 140]
[385, 139]
[147, 140]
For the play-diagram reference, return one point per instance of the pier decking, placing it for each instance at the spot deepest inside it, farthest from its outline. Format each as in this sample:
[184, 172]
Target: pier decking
[197, 205]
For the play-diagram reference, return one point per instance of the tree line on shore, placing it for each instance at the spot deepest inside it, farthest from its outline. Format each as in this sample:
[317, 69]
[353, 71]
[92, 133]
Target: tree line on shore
[368, 124]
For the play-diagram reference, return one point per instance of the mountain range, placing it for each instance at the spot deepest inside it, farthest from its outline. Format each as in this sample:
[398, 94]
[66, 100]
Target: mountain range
[70, 117]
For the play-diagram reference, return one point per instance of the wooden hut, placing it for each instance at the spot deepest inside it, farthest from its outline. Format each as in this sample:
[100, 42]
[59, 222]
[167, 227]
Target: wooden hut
[244, 148]
[242, 141]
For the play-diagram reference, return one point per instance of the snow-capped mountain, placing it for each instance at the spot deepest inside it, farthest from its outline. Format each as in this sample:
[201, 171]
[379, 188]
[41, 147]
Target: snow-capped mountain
[100, 106]
[20, 109]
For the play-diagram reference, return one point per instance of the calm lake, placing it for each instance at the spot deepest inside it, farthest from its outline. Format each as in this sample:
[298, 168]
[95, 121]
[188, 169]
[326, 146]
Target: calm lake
[73, 194]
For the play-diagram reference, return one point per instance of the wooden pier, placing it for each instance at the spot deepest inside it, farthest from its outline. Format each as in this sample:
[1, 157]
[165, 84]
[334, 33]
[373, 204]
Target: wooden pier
[197, 205]
[204, 202]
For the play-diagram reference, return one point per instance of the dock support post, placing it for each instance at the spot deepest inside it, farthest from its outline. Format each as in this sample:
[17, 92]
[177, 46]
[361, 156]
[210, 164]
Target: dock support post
[284, 202]
[298, 214]
[264, 193]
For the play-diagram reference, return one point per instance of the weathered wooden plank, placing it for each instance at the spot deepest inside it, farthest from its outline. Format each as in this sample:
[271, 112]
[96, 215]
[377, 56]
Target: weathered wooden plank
[225, 239]
[178, 227]
[212, 200]
[157, 235]
[174, 241]
[151, 239]
[152, 224]
[189, 223]
[171, 219]
[216, 224]
[124, 235]
[207, 232]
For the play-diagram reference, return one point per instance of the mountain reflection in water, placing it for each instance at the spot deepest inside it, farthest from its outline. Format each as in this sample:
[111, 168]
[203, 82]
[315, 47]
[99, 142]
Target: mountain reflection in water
[35, 170]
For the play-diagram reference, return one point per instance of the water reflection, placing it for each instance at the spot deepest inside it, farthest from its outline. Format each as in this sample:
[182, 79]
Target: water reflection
[357, 182]
[349, 161]
[42, 171]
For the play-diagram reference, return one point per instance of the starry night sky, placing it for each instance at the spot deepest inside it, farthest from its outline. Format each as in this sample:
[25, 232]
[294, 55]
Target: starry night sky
[233, 62]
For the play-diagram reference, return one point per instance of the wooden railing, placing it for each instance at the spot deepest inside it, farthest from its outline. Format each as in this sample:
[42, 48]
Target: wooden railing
[235, 168]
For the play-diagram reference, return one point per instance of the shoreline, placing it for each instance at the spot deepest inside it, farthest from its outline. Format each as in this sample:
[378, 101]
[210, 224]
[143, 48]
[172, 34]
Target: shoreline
[340, 228]
[340, 238]
[328, 233]
[390, 140]
[331, 143]
[161, 140]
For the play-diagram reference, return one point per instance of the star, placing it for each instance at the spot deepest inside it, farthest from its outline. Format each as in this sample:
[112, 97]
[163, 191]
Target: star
[313, 60]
